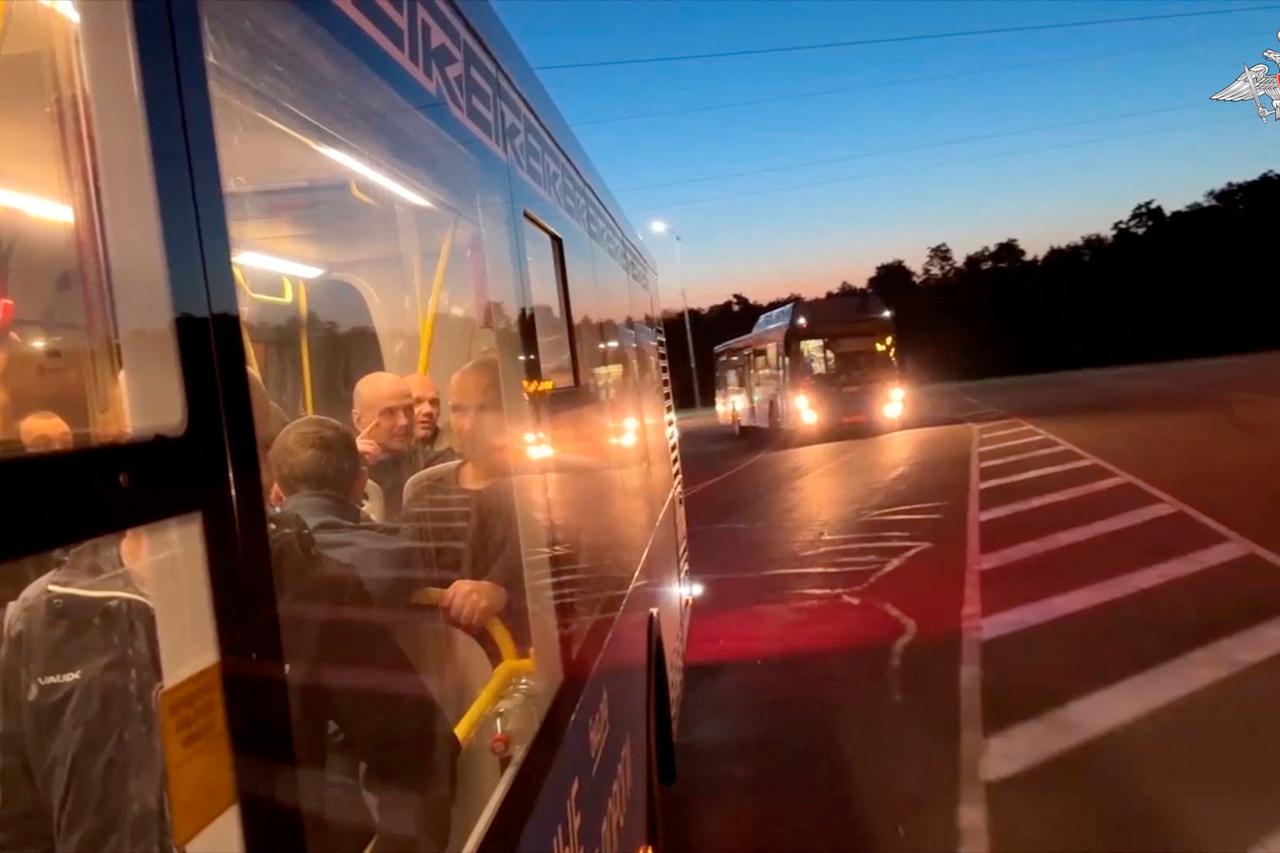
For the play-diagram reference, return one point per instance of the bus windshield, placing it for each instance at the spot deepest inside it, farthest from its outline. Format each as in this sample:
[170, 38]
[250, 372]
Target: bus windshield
[847, 359]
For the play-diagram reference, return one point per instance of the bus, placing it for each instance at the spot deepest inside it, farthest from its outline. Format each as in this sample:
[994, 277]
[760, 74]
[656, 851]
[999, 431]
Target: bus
[813, 365]
[203, 201]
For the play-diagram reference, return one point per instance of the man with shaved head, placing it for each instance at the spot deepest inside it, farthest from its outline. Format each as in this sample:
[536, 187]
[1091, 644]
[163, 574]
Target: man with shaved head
[464, 511]
[432, 443]
[382, 414]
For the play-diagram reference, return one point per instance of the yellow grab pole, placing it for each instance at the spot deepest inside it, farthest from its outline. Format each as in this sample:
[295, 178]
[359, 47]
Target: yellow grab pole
[304, 349]
[433, 303]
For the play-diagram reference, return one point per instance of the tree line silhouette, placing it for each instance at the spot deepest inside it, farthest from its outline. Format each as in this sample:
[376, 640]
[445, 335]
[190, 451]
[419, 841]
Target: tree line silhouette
[1196, 282]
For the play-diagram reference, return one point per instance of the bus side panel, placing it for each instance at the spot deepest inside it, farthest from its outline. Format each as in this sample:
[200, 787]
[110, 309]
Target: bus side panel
[594, 797]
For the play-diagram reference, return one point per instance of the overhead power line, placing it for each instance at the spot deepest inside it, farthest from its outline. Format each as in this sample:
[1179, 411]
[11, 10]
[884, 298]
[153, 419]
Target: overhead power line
[798, 48]
[878, 84]
[916, 168]
[897, 149]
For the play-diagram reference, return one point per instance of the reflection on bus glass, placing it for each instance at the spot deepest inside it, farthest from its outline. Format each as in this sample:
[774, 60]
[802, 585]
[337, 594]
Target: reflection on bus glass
[69, 334]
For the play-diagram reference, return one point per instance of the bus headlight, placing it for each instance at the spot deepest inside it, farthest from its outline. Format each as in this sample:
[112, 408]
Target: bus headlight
[808, 416]
[801, 401]
[897, 394]
[892, 409]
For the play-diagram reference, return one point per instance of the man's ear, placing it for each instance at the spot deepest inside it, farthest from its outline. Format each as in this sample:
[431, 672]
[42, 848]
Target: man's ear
[358, 487]
[355, 420]
[277, 495]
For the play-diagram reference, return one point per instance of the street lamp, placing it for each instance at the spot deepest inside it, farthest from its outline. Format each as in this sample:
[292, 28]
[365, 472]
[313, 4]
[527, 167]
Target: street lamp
[659, 227]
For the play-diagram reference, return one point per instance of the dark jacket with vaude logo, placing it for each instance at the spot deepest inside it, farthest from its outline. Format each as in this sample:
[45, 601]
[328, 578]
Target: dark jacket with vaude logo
[81, 765]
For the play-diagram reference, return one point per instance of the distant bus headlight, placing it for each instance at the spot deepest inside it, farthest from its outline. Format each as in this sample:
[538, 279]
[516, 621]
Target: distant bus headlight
[892, 409]
[808, 416]
[801, 401]
[897, 394]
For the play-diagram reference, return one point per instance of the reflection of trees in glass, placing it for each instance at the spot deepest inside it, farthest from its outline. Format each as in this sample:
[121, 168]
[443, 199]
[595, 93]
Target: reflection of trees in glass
[1192, 282]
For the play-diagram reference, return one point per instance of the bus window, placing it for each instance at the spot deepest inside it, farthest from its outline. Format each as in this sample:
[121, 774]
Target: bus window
[354, 224]
[94, 659]
[550, 304]
[77, 216]
[848, 359]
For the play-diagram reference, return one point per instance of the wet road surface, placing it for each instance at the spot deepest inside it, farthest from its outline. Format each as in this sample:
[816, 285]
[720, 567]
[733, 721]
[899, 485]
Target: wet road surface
[1047, 617]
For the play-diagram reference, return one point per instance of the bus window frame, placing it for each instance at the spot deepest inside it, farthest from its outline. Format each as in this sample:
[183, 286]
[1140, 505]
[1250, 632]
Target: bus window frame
[210, 468]
[529, 332]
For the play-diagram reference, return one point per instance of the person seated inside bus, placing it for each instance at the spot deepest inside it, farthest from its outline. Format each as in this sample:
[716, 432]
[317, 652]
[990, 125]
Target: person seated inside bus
[382, 413]
[464, 510]
[43, 431]
[81, 766]
[432, 442]
[345, 584]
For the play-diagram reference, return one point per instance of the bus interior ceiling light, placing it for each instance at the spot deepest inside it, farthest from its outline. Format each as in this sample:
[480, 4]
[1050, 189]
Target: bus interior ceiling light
[34, 206]
[259, 261]
[374, 175]
[65, 8]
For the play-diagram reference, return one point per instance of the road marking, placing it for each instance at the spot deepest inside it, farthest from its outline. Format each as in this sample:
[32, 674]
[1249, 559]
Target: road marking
[1270, 556]
[894, 543]
[1028, 744]
[1011, 442]
[693, 490]
[988, 424]
[1038, 472]
[1010, 431]
[1073, 535]
[1051, 498]
[971, 804]
[1018, 457]
[1046, 610]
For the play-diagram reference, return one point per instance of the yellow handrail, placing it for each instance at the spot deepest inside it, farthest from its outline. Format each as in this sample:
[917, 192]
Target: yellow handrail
[304, 348]
[433, 303]
[286, 299]
[504, 673]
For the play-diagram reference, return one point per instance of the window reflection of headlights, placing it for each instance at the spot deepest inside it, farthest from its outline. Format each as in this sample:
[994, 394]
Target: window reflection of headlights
[809, 416]
[802, 401]
[897, 394]
[892, 409]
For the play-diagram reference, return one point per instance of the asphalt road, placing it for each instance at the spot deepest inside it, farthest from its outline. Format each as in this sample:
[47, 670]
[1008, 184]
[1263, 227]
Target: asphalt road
[1046, 617]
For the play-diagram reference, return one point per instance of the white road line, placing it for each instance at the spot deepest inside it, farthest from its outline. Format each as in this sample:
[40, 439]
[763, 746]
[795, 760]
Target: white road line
[1032, 742]
[1048, 609]
[892, 543]
[1072, 535]
[1018, 457]
[1270, 556]
[1051, 498]
[1010, 431]
[1038, 472]
[693, 490]
[971, 804]
[1011, 442]
[988, 424]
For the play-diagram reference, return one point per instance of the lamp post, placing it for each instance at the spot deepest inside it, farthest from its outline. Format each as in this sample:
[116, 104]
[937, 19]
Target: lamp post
[657, 226]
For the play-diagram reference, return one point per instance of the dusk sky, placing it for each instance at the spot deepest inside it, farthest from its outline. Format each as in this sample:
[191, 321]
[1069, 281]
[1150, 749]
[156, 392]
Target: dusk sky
[1078, 123]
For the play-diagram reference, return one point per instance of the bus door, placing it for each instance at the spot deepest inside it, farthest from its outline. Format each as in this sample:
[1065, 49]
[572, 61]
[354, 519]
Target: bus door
[140, 675]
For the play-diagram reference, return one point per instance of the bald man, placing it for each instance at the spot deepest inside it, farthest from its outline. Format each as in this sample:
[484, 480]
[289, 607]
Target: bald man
[432, 443]
[464, 511]
[382, 414]
[43, 431]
